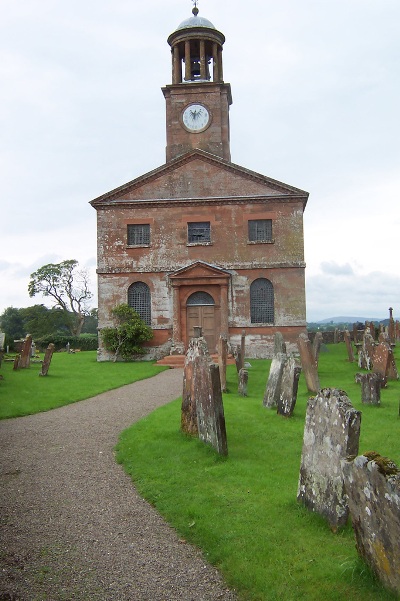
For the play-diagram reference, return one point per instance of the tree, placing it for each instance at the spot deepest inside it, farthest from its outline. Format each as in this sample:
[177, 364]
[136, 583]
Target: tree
[126, 338]
[12, 323]
[67, 286]
[42, 321]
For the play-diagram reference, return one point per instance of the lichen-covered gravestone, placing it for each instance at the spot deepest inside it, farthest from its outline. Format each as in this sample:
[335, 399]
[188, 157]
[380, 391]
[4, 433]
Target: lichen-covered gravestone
[308, 363]
[331, 434]
[384, 363]
[222, 357]
[243, 379]
[289, 386]
[47, 360]
[349, 347]
[370, 388]
[373, 489]
[197, 359]
[273, 388]
[25, 357]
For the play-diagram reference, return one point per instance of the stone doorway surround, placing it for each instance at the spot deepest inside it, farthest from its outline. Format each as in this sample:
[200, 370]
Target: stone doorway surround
[199, 277]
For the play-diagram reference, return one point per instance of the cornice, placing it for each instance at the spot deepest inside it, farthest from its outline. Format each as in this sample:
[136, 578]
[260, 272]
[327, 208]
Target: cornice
[228, 267]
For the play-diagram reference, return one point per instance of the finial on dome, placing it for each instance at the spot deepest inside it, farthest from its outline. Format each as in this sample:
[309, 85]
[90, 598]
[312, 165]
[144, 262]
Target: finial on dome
[195, 10]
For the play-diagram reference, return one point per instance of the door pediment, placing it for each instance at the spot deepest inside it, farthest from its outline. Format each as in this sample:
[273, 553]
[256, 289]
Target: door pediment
[199, 270]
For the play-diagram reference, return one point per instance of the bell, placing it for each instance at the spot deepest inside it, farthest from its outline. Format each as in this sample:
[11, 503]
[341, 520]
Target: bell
[195, 70]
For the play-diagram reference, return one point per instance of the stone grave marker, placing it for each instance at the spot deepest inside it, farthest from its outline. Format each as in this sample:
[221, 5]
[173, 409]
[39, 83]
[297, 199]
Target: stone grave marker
[222, 357]
[197, 360]
[384, 363]
[289, 385]
[25, 358]
[210, 408]
[2, 340]
[367, 351]
[391, 331]
[47, 360]
[308, 363]
[331, 434]
[349, 347]
[273, 387]
[370, 388]
[243, 380]
[316, 346]
[373, 488]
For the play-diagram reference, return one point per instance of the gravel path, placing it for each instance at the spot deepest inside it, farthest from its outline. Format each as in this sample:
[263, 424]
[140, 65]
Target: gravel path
[73, 525]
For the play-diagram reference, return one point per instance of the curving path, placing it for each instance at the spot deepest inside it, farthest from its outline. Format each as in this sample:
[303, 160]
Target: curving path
[73, 525]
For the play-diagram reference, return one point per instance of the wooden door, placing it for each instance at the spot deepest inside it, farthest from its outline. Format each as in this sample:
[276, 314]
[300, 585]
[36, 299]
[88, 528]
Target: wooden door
[203, 316]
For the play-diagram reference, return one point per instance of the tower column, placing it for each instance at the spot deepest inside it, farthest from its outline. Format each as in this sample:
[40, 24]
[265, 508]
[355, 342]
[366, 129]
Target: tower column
[176, 65]
[203, 65]
[188, 64]
[215, 62]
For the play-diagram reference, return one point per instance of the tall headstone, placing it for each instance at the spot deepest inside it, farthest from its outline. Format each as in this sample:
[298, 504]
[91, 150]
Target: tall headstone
[384, 363]
[243, 348]
[47, 360]
[273, 387]
[336, 336]
[222, 357]
[25, 358]
[308, 363]
[243, 380]
[366, 353]
[289, 385]
[331, 434]
[349, 347]
[392, 335]
[210, 409]
[355, 333]
[316, 346]
[197, 361]
[373, 488]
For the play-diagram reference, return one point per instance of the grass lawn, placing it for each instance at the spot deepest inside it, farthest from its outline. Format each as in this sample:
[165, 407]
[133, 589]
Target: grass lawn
[242, 510]
[71, 378]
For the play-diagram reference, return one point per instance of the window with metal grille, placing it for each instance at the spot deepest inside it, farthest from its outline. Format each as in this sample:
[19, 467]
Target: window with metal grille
[200, 298]
[260, 230]
[139, 298]
[262, 301]
[138, 234]
[199, 232]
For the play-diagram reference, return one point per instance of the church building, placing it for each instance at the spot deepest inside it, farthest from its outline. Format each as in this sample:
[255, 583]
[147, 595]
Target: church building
[201, 241]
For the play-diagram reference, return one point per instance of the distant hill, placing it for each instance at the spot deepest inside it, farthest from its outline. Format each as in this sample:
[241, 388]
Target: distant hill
[342, 319]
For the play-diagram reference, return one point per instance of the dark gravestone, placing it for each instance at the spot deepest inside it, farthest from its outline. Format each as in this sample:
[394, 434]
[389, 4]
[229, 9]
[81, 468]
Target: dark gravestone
[308, 363]
[349, 347]
[222, 356]
[273, 387]
[316, 346]
[373, 488]
[243, 379]
[384, 363]
[25, 358]
[196, 356]
[331, 434]
[370, 388]
[210, 408]
[47, 359]
[243, 348]
[289, 386]
[239, 360]
[391, 329]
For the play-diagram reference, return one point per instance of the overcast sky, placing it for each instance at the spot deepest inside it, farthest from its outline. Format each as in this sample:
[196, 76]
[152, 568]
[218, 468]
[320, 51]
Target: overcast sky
[316, 101]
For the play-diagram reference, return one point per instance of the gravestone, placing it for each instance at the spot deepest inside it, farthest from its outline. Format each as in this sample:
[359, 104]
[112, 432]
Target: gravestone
[16, 361]
[2, 340]
[373, 488]
[355, 333]
[273, 387]
[25, 358]
[289, 385]
[197, 361]
[308, 363]
[243, 379]
[331, 434]
[222, 356]
[239, 360]
[47, 360]
[391, 332]
[316, 346]
[349, 347]
[210, 408]
[384, 363]
[243, 348]
[366, 353]
[336, 336]
[370, 388]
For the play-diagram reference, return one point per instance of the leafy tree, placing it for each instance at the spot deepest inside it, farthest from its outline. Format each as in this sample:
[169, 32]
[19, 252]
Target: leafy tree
[67, 286]
[12, 323]
[126, 338]
[91, 322]
[42, 321]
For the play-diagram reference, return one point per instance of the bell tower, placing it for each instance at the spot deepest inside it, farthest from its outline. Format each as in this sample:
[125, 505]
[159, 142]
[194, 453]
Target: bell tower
[198, 100]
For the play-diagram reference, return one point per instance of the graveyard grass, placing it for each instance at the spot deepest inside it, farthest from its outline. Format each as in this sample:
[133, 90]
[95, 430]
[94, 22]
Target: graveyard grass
[242, 510]
[72, 377]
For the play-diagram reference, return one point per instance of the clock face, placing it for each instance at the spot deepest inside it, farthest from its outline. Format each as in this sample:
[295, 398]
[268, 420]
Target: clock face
[196, 117]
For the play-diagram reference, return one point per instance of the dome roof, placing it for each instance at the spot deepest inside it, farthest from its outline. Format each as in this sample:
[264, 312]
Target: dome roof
[195, 21]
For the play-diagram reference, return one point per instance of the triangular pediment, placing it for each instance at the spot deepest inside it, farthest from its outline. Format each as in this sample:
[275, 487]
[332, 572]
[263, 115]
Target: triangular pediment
[198, 175]
[199, 269]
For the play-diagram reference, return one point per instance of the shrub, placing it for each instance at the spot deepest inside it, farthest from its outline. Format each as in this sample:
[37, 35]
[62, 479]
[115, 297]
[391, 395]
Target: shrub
[126, 338]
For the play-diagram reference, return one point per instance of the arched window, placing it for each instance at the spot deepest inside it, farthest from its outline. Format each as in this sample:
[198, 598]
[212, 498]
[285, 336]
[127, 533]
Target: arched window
[262, 301]
[139, 298]
[200, 298]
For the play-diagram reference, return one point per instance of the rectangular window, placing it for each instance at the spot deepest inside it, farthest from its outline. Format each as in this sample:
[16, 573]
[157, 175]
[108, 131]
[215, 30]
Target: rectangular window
[260, 230]
[199, 232]
[139, 234]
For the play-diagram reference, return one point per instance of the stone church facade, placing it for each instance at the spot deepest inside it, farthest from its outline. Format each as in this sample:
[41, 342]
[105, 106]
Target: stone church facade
[200, 240]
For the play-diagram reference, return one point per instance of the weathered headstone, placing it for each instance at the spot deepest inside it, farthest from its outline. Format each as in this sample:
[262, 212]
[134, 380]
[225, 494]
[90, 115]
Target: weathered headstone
[373, 488]
[384, 363]
[243, 347]
[391, 332]
[197, 360]
[25, 358]
[47, 360]
[222, 356]
[336, 336]
[210, 409]
[308, 363]
[355, 333]
[316, 346]
[2, 340]
[331, 433]
[273, 387]
[243, 379]
[16, 361]
[366, 353]
[289, 385]
[349, 347]
[370, 388]
[239, 361]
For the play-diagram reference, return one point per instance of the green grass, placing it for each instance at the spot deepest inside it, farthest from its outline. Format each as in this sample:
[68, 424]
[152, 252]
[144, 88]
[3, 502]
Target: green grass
[71, 378]
[242, 510]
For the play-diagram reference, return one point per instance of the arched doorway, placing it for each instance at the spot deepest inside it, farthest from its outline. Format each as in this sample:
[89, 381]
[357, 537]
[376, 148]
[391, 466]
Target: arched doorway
[200, 311]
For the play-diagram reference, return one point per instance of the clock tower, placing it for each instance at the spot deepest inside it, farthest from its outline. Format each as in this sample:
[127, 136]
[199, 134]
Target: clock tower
[198, 100]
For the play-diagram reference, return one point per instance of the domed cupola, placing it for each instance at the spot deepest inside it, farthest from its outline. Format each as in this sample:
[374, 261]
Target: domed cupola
[196, 47]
